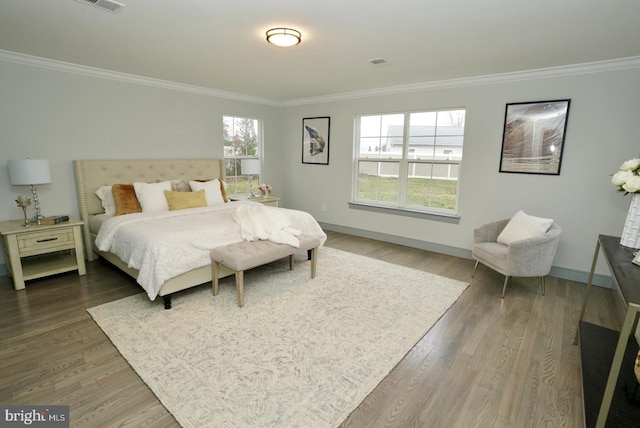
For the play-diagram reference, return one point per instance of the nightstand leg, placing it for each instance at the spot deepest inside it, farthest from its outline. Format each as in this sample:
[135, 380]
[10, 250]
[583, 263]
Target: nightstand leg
[77, 237]
[14, 261]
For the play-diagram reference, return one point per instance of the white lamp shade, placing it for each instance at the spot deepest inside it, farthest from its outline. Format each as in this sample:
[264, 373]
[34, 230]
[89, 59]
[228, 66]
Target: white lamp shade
[250, 166]
[29, 171]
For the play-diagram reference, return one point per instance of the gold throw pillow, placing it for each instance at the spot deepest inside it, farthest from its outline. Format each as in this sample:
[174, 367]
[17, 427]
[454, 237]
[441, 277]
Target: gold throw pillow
[183, 200]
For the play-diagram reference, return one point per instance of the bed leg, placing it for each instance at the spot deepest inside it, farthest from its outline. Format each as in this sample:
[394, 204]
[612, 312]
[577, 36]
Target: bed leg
[167, 301]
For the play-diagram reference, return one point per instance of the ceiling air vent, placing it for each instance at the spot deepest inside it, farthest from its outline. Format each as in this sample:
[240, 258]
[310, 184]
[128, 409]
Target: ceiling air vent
[377, 61]
[109, 5]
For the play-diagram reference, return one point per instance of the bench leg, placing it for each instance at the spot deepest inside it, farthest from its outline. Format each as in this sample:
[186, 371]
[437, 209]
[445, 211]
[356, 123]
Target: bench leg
[240, 287]
[215, 271]
[314, 261]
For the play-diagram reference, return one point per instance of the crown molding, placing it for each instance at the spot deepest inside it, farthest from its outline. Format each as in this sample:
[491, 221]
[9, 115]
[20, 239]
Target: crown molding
[491, 79]
[67, 67]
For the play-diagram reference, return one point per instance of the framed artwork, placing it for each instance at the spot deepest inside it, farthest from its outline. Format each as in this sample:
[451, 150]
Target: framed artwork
[533, 138]
[315, 140]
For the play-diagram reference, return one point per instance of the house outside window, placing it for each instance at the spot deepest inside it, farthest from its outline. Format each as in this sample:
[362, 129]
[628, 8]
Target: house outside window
[242, 140]
[409, 161]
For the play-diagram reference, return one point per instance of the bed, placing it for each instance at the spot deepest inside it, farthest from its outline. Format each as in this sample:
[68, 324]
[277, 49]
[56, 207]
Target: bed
[91, 175]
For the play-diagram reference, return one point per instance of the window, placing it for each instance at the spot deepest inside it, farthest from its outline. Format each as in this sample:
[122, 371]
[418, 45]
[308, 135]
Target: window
[242, 140]
[409, 161]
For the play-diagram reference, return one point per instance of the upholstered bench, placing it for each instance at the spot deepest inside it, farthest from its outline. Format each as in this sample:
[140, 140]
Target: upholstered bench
[244, 255]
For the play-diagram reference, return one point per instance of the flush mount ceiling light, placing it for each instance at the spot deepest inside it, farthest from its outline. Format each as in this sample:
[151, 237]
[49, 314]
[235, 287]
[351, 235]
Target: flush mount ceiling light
[284, 37]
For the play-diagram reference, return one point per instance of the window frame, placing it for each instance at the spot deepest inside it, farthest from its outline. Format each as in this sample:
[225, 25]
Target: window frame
[404, 164]
[239, 181]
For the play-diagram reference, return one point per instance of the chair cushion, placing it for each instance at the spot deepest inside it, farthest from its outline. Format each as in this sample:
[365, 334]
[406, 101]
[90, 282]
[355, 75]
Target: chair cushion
[523, 226]
[491, 254]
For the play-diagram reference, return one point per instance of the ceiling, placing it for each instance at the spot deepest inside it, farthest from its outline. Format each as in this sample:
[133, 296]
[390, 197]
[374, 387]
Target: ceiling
[221, 45]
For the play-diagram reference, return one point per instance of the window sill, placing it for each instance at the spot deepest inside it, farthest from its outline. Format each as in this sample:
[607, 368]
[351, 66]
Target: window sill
[445, 218]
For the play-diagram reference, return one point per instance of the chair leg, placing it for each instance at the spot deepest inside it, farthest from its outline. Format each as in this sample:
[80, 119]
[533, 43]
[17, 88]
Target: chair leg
[504, 287]
[542, 278]
[474, 268]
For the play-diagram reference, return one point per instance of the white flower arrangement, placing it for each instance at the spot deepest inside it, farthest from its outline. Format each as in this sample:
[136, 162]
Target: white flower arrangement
[628, 178]
[264, 187]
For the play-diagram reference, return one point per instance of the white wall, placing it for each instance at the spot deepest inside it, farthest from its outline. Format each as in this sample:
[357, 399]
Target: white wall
[602, 133]
[64, 116]
[61, 116]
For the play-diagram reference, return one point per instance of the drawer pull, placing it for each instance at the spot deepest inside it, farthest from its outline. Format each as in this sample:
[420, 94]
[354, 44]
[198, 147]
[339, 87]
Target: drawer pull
[46, 239]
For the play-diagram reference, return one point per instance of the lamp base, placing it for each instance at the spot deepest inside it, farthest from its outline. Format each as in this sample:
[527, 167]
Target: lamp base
[26, 220]
[251, 194]
[38, 216]
[36, 219]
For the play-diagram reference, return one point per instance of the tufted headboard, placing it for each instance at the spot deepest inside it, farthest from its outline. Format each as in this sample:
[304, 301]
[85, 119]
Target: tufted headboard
[91, 174]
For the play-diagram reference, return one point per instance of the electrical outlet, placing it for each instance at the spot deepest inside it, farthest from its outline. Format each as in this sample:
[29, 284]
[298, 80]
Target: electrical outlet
[324, 208]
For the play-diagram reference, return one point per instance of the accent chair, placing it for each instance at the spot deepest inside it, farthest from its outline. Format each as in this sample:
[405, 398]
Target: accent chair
[521, 251]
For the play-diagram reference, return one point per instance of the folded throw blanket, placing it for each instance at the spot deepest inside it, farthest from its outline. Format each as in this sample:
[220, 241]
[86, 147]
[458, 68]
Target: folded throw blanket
[258, 222]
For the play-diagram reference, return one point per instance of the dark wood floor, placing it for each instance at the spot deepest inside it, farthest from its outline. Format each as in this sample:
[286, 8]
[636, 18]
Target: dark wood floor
[488, 362]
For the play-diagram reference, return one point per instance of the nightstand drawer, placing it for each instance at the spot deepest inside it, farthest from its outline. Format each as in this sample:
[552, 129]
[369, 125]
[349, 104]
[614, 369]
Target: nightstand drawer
[270, 202]
[32, 243]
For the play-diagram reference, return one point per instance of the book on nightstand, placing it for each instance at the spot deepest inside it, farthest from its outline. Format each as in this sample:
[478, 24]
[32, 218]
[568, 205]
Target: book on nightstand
[54, 219]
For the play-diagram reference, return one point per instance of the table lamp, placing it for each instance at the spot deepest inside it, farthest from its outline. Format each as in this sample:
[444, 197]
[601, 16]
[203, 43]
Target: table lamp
[29, 172]
[250, 167]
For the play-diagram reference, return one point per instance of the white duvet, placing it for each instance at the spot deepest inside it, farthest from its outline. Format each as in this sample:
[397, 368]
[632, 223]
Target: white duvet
[258, 222]
[164, 245]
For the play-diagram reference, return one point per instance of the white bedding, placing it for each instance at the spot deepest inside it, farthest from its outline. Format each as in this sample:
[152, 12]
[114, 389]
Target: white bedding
[96, 221]
[164, 245]
[258, 222]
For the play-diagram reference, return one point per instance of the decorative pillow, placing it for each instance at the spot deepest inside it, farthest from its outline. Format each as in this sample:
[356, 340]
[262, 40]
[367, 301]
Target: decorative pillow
[523, 226]
[223, 187]
[223, 190]
[151, 196]
[125, 200]
[183, 200]
[213, 189]
[106, 196]
[180, 186]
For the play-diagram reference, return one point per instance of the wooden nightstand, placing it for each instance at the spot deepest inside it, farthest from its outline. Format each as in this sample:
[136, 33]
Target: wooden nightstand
[42, 250]
[271, 201]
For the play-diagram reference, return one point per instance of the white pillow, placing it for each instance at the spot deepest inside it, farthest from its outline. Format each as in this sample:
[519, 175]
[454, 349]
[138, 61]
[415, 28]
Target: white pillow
[211, 190]
[523, 226]
[151, 196]
[106, 196]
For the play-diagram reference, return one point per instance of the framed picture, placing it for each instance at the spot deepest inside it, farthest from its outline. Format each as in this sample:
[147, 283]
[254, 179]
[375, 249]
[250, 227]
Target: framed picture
[315, 140]
[533, 138]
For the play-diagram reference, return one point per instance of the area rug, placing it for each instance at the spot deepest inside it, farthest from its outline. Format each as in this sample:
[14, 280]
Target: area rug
[302, 352]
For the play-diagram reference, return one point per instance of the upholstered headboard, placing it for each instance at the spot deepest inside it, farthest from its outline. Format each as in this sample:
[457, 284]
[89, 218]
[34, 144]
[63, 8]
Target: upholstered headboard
[92, 174]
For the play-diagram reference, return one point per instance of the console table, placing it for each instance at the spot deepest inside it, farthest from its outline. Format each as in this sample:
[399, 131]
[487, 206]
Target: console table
[626, 282]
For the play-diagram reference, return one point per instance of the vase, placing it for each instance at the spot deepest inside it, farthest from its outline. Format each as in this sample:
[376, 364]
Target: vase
[631, 231]
[265, 193]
